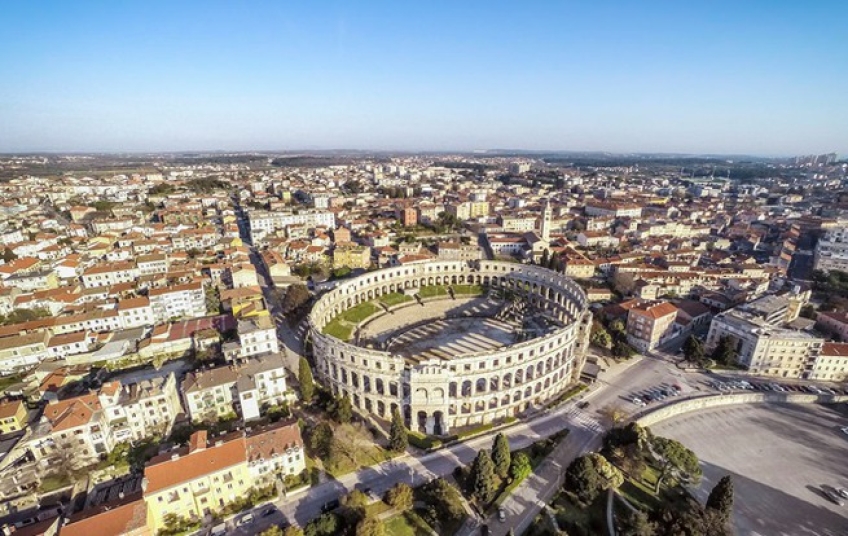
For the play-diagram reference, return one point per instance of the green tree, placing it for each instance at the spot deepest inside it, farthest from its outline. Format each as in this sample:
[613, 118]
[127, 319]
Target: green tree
[501, 456]
[398, 435]
[600, 336]
[213, 301]
[400, 497]
[8, 255]
[321, 438]
[520, 467]
[674, 459]
[370, 526]
[636, 523]
[343, 410]
[273, 531]
[483, 478]
[725, 351]
[355, 500]
[296, 297]
[617, 326]
[609, 475]
[693, 350]
[622, 350]
[307, 384]
[582, 479]
[293, 531]
[325, 525]
[445, 499]
[721, 498]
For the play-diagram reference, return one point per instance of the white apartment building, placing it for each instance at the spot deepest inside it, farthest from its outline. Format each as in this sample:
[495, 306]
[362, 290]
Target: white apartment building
[211, 394]
[263, 222]
[178, 301]
[518, 223]
[764, 348]
[135, 312]
[154, 263]
[275, 450]
[257, 336]
[832, 251]
[105, 275]
[134, 411]
[21, 351]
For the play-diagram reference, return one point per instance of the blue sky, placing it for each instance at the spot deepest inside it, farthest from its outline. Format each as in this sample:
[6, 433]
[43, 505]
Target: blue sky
[767, 78]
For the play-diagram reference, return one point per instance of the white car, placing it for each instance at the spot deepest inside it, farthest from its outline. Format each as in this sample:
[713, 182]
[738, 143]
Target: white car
[843, 492]
[638, 401]
[845, 430]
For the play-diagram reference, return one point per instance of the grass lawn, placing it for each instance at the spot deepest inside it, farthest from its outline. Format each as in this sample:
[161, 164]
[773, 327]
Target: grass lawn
[432, 291]
[376, 508]
[338, 330]
[474, 290]
[9, 381]
[395, 298]
[357, 314]
[54, 482]
[407, 524]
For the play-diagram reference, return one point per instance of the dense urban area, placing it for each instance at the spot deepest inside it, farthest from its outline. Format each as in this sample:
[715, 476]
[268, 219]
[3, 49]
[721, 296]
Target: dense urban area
[412, 344]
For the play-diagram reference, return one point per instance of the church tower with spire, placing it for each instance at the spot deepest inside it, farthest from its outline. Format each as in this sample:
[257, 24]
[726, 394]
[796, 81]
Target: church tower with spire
[547, 215]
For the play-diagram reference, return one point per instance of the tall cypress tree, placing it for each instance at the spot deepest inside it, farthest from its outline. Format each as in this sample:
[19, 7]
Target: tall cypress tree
[307, 384]
[721, 498]
[501, 455]
[398, 437]
[483, 478]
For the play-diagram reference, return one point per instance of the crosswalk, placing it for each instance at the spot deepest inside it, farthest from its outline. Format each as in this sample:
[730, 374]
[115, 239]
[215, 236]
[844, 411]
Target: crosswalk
[583, 419]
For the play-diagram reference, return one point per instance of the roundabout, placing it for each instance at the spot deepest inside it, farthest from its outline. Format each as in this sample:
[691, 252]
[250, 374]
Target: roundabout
[451, 344]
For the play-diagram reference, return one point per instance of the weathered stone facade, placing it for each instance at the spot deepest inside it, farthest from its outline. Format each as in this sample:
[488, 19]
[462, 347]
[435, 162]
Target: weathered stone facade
[437, 395]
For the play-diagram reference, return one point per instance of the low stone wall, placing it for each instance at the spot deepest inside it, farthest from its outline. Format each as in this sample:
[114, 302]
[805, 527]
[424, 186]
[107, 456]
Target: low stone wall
[653, 416]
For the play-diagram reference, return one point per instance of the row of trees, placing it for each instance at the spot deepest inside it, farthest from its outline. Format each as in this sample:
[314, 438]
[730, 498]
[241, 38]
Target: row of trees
[627, 450]
[612, 337]
[725, 352]
[490, 470]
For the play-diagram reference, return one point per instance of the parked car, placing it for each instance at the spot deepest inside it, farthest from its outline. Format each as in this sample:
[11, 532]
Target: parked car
[842, 492]
[246, 519]
[267, 511]
[638, 401]
[834, 497]
[845, 430]
[648, 399]
[501, 515]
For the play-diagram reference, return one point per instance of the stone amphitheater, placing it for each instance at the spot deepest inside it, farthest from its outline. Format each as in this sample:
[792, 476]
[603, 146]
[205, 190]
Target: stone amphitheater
[451, 344]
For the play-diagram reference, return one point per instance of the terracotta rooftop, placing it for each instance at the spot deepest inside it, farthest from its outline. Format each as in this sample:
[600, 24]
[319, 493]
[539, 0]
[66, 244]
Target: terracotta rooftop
[166, 471]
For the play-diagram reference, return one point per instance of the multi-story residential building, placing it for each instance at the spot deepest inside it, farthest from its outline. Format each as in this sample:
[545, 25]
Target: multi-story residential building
[136, 410]
[261, 382]
[105, 275]
[456, 251]
[613, 208]
[72, 430]
[33, 281]
[63, 345]
[13, 416]
[831, 364]
[135, 312]
[257, 336]
[178, 301]
[274, 451]
[196, 480]
[832, 251]
[764, 348]
[518, 223]
[263, 222]
[21, 351]
[650, 325]
[351, 257]
[152, 264]
[210, 394]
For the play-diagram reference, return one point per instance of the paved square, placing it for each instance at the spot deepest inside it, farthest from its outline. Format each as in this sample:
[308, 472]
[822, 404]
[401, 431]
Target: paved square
[779, 456]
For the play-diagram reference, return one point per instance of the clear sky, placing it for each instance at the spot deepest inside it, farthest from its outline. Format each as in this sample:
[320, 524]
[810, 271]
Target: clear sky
[756, 77]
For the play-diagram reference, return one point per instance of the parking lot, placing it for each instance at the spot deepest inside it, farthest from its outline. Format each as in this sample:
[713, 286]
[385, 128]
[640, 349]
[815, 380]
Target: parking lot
[780, 457]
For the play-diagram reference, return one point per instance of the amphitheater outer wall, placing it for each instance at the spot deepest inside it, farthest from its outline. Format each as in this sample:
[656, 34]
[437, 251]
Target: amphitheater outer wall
[436, 395]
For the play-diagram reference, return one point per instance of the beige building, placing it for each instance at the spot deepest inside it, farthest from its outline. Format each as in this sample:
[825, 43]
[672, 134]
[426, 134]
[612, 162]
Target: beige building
[352, 257]
[650, 325]
[832, 363]
[764, 348]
